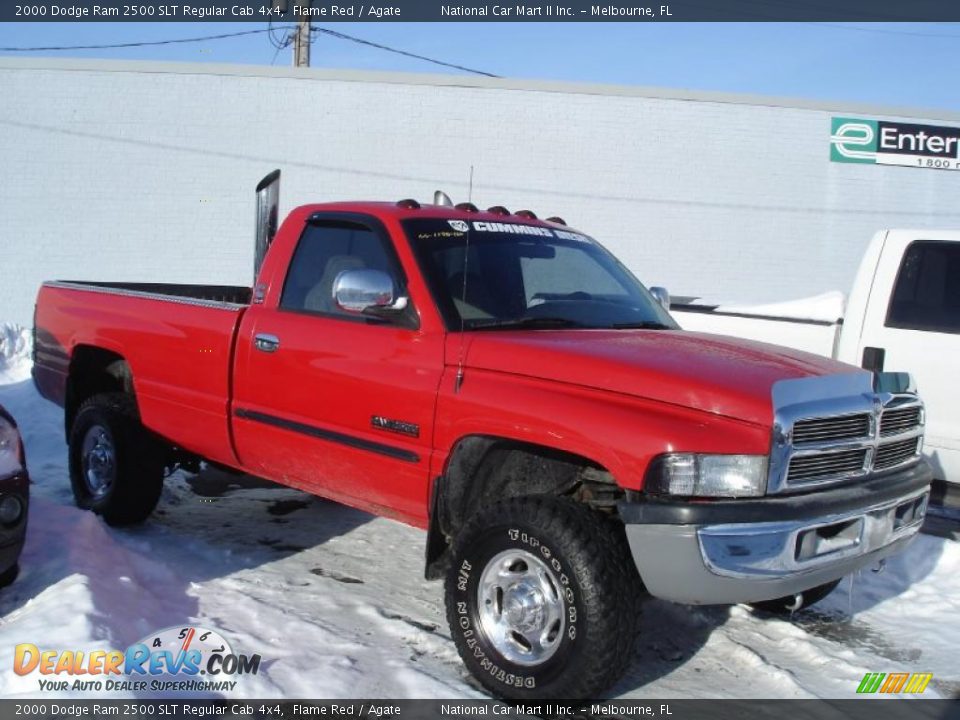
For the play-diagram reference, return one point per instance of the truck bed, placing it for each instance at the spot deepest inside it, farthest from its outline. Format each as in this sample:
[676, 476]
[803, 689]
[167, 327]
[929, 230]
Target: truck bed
[178, 341]
[231, 294]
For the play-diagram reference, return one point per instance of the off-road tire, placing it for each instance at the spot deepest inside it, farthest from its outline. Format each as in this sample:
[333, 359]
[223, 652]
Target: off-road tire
[138, 466]
[784, 605]
[588, 556]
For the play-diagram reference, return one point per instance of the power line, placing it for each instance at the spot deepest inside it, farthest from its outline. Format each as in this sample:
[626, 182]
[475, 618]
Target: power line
[885, 31]
[136, 44]
[278, 44]
[361, 41]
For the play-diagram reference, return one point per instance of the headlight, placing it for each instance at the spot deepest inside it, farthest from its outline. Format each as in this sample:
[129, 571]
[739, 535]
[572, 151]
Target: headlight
[708, 475]
[11, 457]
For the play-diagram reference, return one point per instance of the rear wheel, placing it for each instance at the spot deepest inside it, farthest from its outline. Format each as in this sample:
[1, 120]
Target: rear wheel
[792, 603]
[542, 599]
[115, 467]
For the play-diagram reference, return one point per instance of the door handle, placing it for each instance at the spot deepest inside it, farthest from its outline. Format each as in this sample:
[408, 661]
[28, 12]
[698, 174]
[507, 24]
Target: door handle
[266, 343]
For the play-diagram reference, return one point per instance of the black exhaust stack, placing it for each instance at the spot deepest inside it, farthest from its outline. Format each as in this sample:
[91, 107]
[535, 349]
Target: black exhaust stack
[268, 201]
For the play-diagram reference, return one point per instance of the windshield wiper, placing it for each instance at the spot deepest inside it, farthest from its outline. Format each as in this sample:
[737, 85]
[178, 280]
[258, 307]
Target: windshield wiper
[528, 323]
[642, 325]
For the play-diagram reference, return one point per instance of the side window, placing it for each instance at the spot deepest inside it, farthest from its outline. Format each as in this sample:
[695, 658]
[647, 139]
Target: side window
[324, 251]
[927, 292]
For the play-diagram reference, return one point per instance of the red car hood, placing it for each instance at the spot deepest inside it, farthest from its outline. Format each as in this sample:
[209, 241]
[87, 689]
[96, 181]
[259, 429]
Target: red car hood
[717, 374]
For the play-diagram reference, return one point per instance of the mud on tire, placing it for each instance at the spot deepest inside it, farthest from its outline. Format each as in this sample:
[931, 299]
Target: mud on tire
[116, 468]
[542, 599]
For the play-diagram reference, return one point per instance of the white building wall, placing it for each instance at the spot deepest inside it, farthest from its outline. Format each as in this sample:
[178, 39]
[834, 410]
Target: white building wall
[145, 171]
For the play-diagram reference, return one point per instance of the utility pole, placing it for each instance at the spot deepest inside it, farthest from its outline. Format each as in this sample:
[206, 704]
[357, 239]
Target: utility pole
[301, 38]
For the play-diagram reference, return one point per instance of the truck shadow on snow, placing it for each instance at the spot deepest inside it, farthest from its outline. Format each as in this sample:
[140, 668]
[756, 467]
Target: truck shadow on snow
[671, 635]
[838, 617]
[213, 525]
[120, 585]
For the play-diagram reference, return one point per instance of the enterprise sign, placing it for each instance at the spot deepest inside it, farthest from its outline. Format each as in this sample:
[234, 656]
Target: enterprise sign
[881, 142]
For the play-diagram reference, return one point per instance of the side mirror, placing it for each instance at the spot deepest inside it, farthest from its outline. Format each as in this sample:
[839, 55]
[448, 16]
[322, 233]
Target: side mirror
[661, 295]
[362, 291]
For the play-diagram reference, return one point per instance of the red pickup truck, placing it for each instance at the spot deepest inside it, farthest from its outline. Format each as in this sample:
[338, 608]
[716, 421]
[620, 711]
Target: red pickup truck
[506, 384]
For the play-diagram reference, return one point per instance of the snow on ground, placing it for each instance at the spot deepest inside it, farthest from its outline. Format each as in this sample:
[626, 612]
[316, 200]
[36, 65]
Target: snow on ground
[15, 348]
[335, 602]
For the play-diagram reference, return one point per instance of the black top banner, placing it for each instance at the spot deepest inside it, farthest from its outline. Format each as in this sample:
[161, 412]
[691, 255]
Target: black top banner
[327, 11]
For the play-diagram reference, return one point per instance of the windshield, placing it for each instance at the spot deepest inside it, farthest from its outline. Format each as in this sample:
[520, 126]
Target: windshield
[516, 275]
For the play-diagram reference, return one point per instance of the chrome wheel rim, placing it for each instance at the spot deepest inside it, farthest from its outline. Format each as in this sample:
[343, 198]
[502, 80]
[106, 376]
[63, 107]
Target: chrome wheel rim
[99, 461]
[521, 607]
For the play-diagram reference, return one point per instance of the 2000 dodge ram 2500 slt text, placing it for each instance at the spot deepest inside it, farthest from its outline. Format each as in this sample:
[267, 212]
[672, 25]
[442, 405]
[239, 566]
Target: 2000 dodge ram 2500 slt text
[506, 384]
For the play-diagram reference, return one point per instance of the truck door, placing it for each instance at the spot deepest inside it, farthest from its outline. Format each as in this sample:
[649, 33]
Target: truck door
[912, 324]
[336, 403]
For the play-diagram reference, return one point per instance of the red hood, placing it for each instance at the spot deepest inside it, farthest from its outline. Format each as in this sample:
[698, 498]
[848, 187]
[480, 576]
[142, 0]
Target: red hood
[717, 374]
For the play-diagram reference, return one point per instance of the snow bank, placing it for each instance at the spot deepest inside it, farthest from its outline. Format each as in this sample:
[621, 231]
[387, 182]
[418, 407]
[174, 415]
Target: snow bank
[16, 347]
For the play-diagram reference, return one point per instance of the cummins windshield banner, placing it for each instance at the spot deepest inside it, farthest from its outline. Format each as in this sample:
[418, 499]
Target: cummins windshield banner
[881, 142]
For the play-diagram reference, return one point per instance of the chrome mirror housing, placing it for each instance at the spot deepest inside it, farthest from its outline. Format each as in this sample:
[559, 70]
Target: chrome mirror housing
[661, 295]
[360, 291]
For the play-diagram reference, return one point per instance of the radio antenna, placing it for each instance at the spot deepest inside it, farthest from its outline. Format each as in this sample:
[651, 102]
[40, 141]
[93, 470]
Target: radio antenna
[463, 296]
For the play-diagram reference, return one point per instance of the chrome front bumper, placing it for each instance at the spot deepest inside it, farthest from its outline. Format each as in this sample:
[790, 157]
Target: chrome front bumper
[731, 562]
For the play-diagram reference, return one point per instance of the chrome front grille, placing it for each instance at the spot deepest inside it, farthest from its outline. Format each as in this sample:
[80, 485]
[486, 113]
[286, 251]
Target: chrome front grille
[895, 453]
[899, 420]
[813, 467]
[844, 427]
[836, 428]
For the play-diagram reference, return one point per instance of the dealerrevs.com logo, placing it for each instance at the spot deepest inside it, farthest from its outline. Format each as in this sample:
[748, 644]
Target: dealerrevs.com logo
[881, 142]
[176, 659]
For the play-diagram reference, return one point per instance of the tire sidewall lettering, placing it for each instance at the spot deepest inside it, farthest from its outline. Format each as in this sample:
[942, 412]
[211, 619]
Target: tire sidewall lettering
[488, 660]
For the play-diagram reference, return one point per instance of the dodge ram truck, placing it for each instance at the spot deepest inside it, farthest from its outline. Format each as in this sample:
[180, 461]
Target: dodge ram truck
[507, 385]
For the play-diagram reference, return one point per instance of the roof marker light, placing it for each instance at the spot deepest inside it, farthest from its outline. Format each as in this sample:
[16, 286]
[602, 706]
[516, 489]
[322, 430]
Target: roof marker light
[498, 210]
[528, 214]
[557, 220]
[467, 207]
[408, 204]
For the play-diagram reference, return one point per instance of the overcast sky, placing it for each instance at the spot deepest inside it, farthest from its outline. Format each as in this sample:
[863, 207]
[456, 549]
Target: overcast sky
[912, 65]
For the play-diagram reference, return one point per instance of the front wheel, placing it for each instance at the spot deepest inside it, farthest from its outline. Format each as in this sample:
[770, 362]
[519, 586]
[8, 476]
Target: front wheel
[115, 469]
[542, 599]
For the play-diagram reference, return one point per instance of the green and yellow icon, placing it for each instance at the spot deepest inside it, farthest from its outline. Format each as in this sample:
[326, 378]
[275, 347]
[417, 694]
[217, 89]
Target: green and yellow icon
[892, 683]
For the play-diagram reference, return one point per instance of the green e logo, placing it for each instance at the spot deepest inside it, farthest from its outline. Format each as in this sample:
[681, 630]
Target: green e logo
[853, 140]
